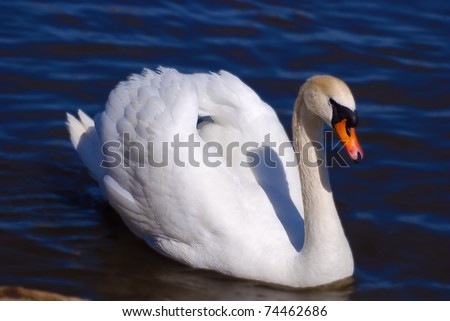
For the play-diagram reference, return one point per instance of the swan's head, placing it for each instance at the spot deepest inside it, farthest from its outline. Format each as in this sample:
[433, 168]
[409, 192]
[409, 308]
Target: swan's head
[331, 99]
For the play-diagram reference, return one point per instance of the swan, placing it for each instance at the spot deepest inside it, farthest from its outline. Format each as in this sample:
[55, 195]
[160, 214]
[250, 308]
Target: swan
[215, 207]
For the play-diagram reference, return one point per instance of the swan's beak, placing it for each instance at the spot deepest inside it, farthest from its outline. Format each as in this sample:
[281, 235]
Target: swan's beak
[349, 139]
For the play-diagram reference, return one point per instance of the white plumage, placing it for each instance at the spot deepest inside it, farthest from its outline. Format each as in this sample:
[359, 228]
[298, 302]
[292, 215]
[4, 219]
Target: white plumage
[234, 219]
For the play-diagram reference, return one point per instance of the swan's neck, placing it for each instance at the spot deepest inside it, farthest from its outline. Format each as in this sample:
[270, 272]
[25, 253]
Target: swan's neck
[326, 255]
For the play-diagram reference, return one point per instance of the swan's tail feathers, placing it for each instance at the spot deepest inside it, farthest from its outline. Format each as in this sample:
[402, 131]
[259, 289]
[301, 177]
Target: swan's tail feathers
[85, 139]
[76, 129]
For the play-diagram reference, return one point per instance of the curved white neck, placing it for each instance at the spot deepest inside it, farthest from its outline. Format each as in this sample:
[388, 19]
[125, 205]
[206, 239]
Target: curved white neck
[326, 255]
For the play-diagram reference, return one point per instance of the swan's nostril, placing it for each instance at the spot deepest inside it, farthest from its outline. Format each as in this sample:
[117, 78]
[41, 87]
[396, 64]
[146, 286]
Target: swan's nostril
[347, 129]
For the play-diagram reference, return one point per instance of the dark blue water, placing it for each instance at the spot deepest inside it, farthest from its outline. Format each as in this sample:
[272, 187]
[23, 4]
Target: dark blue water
[55, 232]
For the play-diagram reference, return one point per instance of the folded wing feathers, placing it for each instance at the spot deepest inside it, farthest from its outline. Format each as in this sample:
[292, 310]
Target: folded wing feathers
[151, 107]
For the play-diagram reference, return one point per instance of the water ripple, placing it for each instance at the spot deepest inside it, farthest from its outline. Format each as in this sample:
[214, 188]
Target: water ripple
[58, 235]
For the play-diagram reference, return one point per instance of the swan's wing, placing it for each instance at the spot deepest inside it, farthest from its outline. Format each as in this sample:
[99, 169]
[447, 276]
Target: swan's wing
[234, 113]
[172, 199]
[160, 192]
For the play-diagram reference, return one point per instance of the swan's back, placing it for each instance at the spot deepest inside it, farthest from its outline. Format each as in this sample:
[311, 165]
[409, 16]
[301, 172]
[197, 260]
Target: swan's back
[223, 216]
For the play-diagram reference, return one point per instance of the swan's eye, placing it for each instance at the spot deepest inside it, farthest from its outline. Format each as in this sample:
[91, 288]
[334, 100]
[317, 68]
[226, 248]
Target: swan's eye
[341, 112]
[332, 102]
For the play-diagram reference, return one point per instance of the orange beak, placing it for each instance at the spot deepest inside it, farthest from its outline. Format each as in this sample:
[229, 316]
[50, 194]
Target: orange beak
[349, 140]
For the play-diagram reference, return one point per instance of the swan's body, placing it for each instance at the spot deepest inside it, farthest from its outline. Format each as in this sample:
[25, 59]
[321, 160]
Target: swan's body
[238, 220]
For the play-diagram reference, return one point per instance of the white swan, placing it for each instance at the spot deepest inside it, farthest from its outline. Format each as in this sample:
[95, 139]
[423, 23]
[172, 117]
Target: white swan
[221, 214]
